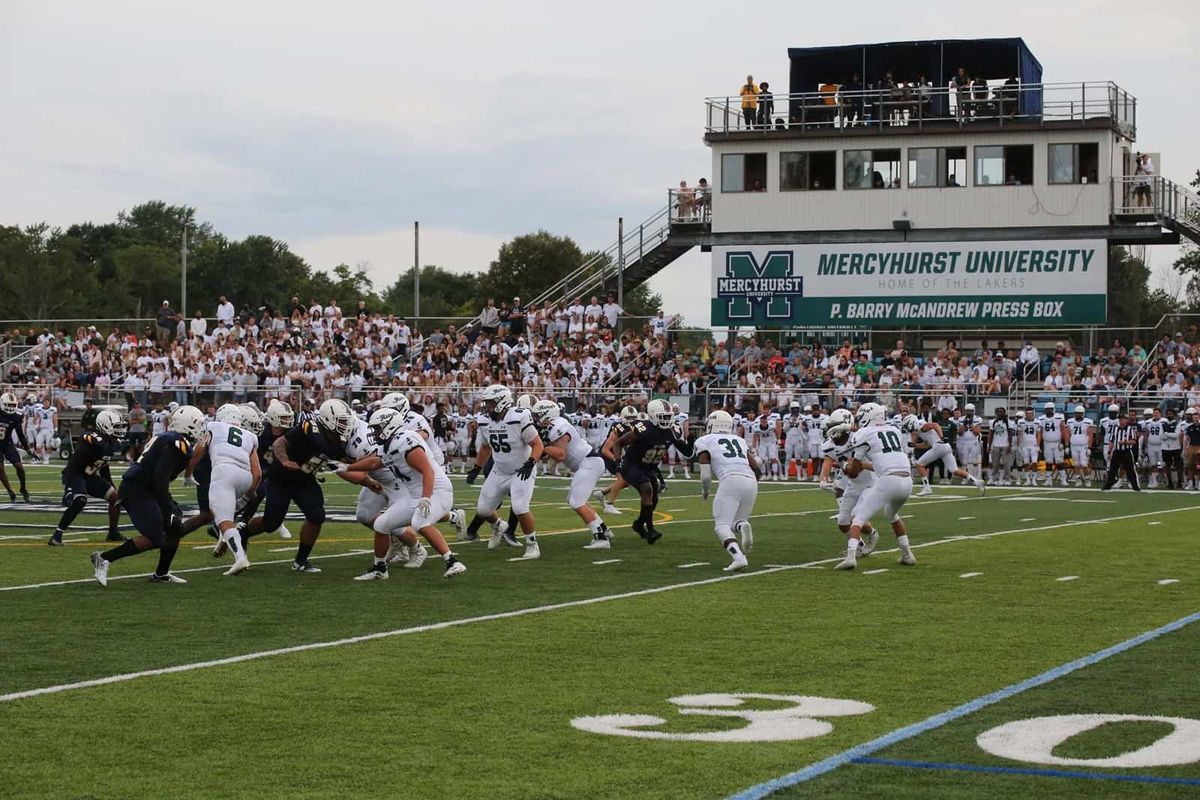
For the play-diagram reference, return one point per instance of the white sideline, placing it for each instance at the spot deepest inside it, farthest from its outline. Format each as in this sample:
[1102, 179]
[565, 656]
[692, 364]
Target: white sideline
[455, 623]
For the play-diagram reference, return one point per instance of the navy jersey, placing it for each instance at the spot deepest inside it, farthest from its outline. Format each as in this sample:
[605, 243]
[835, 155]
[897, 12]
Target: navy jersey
[265, 439]
[12, 427]
[1192, 432]
[164, 458]
[308, 446]
[91, 455]
[651, 444]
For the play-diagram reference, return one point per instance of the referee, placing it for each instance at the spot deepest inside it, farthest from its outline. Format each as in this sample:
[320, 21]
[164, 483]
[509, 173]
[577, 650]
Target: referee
[1128, 438]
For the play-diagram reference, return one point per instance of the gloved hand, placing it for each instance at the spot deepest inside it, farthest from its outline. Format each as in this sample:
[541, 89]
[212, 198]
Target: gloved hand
[826, 486]
[472, 475]
[526, 470]
[425, 507]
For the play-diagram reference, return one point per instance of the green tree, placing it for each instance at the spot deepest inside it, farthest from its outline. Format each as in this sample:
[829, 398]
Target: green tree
[1188, 262]
[443, 293]
[1131, 303]
[256, 271]
[43, 275]
[146, 274]
[528, 265]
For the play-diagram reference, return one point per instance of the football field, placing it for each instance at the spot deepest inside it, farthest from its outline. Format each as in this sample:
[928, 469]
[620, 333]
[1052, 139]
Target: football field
[642, 671]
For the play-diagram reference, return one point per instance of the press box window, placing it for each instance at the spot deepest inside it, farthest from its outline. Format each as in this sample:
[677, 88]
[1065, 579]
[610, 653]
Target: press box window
[999, 165]
[937, 166]
[1074, 163]
[871, 169]
[807, 171]
[744, 172]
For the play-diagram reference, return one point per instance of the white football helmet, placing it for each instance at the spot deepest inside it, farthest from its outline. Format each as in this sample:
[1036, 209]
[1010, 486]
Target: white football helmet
[252, 418]
[397, 401]
[188, 421]
[335, 417]
[111, 423]
[871, 414]
[719, 422]
[385, 423]
[8, 402]
[280, 414]
[544, 411]
[659, 413]
[172, 407]
[837, 418]
[794, 407]
[629, 414]
[526, 401]
[500, 399]
[910, 424]
[229, 413]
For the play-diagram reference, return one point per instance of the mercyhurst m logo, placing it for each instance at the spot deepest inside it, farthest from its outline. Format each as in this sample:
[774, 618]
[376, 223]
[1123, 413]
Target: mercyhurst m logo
[755, 291]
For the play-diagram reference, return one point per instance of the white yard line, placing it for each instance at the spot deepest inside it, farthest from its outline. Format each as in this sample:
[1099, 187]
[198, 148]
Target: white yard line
[694, 564]
[608, 561]
[455, 623]
[1066, 578]
[1168, 581]
[970, 575]
[875, 571]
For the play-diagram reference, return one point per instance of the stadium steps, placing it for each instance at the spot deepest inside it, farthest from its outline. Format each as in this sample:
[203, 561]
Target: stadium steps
[1176, 208]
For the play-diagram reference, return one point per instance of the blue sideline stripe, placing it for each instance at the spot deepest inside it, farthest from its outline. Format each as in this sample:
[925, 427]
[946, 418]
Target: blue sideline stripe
[1040, 773]
[938, 720]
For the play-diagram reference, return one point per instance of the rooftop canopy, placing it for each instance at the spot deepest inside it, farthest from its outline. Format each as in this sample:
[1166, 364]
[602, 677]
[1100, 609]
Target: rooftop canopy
[936, 59]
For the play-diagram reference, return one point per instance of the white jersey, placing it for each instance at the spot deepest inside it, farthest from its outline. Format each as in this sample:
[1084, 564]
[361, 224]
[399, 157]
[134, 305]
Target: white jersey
[580, 422]
[158, 422]
[576, 449]
[1051, 426]
[793, 427]
[681, 420]
[1153, 428]
[841, 454]
[1002, 432]
[481, 421]
[510, 439]
[417, 423]
[966, 429]
[766, 435]
[361, 444]
[930, 436]
[815, 426]
[230, 445]
[727, 453]
[1028, 429]
[395, 458]
[595, 429]
[1078, 429]
[881, 445]
[1109, 427]
[45, 419]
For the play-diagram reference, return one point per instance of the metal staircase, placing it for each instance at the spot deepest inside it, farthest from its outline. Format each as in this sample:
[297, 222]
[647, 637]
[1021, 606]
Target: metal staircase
[1171, 205]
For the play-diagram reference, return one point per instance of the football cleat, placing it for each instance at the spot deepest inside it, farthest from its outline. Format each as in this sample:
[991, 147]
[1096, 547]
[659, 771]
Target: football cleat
[457, 568]
[168, 578]
[114, 536]
[458, 518]
[747, 534]
[983, 488]
[738, 563]
[598, 543]
[925, 492]
[509, 539]
[498, 530]
[907, 559]
[220, 548]
[416, 556]
[25, 496]
[868, 544]
[239, 565]
[101, 567]
[847, 563]
[283, 532]
[532, 551]
[298, 566]
[56, 540]
[374, 574]
[609, 508]
[397, 551]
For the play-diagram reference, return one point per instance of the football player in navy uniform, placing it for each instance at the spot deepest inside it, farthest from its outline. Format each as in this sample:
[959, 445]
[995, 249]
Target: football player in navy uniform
[146, 494]
[87, 475]
[296, 458]
[640, 451]
[12, 426]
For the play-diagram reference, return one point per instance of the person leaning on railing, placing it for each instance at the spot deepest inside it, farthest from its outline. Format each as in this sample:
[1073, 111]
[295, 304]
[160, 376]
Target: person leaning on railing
[749, 94]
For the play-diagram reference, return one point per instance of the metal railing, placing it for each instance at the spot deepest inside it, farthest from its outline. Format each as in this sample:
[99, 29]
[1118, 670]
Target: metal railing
[690, 205]
[1154, 195]
[904, 105]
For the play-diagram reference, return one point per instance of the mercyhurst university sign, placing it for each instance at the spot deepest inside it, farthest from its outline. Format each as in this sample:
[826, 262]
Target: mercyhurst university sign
[928, 283]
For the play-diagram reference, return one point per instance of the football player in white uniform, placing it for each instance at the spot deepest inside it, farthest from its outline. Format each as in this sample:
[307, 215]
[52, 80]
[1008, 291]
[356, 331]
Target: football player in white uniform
[233, 452]
[835, 452]
[721, 453]
[419, 424]
[429, 494]
[680, 420]
[1029, 432]
[931, 434]
[814, 432]
[1052, 427]
[766, 446]
[514, 446]
[158, 420]
[1152, 444]
[1002, 435]
[1080, 430]
[878, 444]
[1108, 429]
[47, 428]
[564, 444]
[970, 449]
[795, 440]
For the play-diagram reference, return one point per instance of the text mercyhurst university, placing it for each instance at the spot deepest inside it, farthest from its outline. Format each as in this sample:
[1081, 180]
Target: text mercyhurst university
[946, 262]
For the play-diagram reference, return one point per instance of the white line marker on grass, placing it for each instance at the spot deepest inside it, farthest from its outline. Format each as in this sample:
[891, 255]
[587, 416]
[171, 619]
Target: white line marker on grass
[970, 575]
[1155, 523]
[281, 549]
[608, 561]
[694, 564]
[1066, 578]
[1168, 581]
[962, 519]
[1029, 519]
[875, 571]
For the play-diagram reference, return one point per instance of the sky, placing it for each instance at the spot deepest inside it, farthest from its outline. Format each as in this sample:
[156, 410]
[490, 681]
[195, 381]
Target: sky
[333, 126]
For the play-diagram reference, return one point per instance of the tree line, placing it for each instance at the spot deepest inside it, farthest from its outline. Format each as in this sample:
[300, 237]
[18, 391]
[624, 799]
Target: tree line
[127, 267]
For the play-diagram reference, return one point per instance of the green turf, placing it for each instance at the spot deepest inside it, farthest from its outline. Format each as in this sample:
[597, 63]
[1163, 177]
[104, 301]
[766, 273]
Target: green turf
[483, 709]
